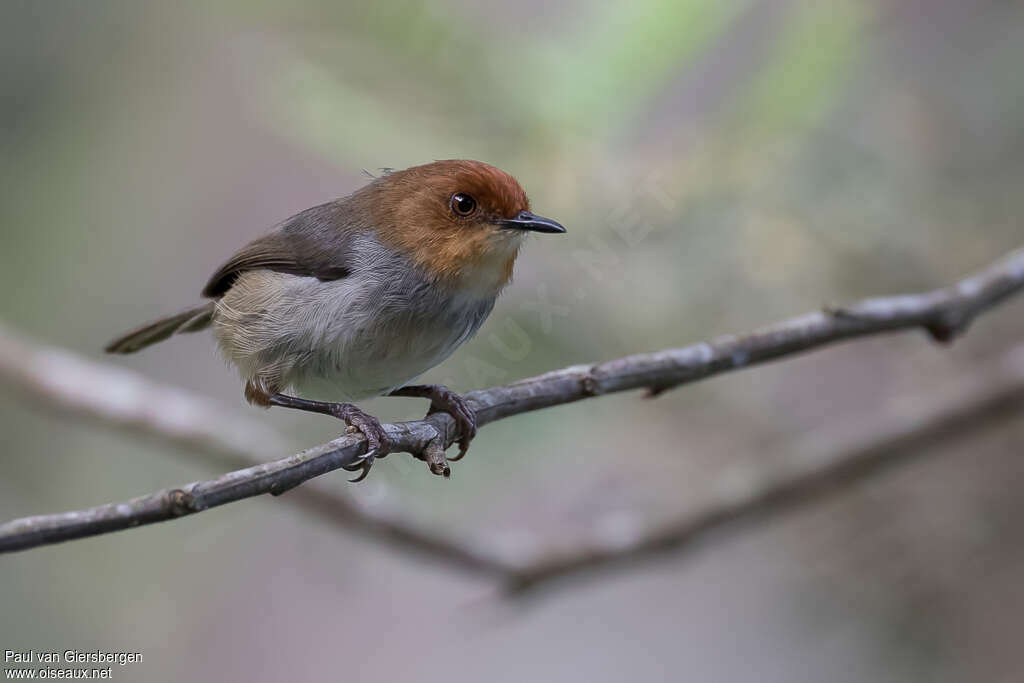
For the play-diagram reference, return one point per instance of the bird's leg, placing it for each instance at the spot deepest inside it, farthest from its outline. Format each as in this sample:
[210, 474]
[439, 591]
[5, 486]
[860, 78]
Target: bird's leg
[377, 446]
[444, 400]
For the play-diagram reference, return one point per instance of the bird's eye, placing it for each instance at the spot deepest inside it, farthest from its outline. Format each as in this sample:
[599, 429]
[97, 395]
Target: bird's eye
[463, 204]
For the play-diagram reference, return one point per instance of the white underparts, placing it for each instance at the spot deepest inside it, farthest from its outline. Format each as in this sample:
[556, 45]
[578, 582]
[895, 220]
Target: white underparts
[364, 335]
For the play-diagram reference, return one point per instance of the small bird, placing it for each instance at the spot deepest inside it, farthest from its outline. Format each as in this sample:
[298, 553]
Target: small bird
[365, 293]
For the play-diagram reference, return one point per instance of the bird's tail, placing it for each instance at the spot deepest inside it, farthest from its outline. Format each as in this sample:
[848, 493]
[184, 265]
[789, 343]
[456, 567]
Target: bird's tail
[192, 320]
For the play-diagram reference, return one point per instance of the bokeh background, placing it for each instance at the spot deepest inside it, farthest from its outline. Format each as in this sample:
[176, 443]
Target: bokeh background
[719, 165]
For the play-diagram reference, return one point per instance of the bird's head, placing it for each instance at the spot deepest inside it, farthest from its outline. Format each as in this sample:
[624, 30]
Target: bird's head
[461, 221]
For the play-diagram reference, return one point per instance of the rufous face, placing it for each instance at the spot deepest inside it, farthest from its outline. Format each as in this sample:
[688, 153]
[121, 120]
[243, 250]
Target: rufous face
[464, 221]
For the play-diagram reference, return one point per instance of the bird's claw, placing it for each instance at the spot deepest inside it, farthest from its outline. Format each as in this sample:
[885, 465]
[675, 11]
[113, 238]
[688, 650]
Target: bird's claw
[377, 444]
[362, 464]
[447, 401]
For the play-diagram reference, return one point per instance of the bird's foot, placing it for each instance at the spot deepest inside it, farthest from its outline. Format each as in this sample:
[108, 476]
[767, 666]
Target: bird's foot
[444, 400]
[378, 445]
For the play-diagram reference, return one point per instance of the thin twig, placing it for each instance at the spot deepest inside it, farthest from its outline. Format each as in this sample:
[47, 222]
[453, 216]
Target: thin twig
[824, 464]
[943, 312]
[111, 396]
[100, 392]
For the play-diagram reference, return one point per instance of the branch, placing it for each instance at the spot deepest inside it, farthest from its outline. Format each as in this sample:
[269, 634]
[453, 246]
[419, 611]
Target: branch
[99, 392]
[821, 466]
[943, 313]
[114, 397]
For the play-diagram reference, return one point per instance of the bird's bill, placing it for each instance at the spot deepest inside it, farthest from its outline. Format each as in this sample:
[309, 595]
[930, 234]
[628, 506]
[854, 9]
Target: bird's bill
[528, 221]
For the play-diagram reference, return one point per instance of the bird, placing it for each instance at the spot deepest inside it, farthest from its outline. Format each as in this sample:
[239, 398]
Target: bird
[359, 296]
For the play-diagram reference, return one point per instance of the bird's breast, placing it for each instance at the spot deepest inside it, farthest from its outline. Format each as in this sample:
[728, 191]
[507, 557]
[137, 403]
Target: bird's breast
[376, 329]
[378, 333]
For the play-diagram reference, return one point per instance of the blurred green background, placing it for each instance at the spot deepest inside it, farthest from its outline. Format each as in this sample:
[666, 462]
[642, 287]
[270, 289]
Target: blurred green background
[719, 165]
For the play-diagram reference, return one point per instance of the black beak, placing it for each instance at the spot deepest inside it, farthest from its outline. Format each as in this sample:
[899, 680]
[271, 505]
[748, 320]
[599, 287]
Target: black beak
[528, 221]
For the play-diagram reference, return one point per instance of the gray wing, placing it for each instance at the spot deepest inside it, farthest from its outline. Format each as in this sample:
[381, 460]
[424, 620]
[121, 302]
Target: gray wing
[311, 243]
